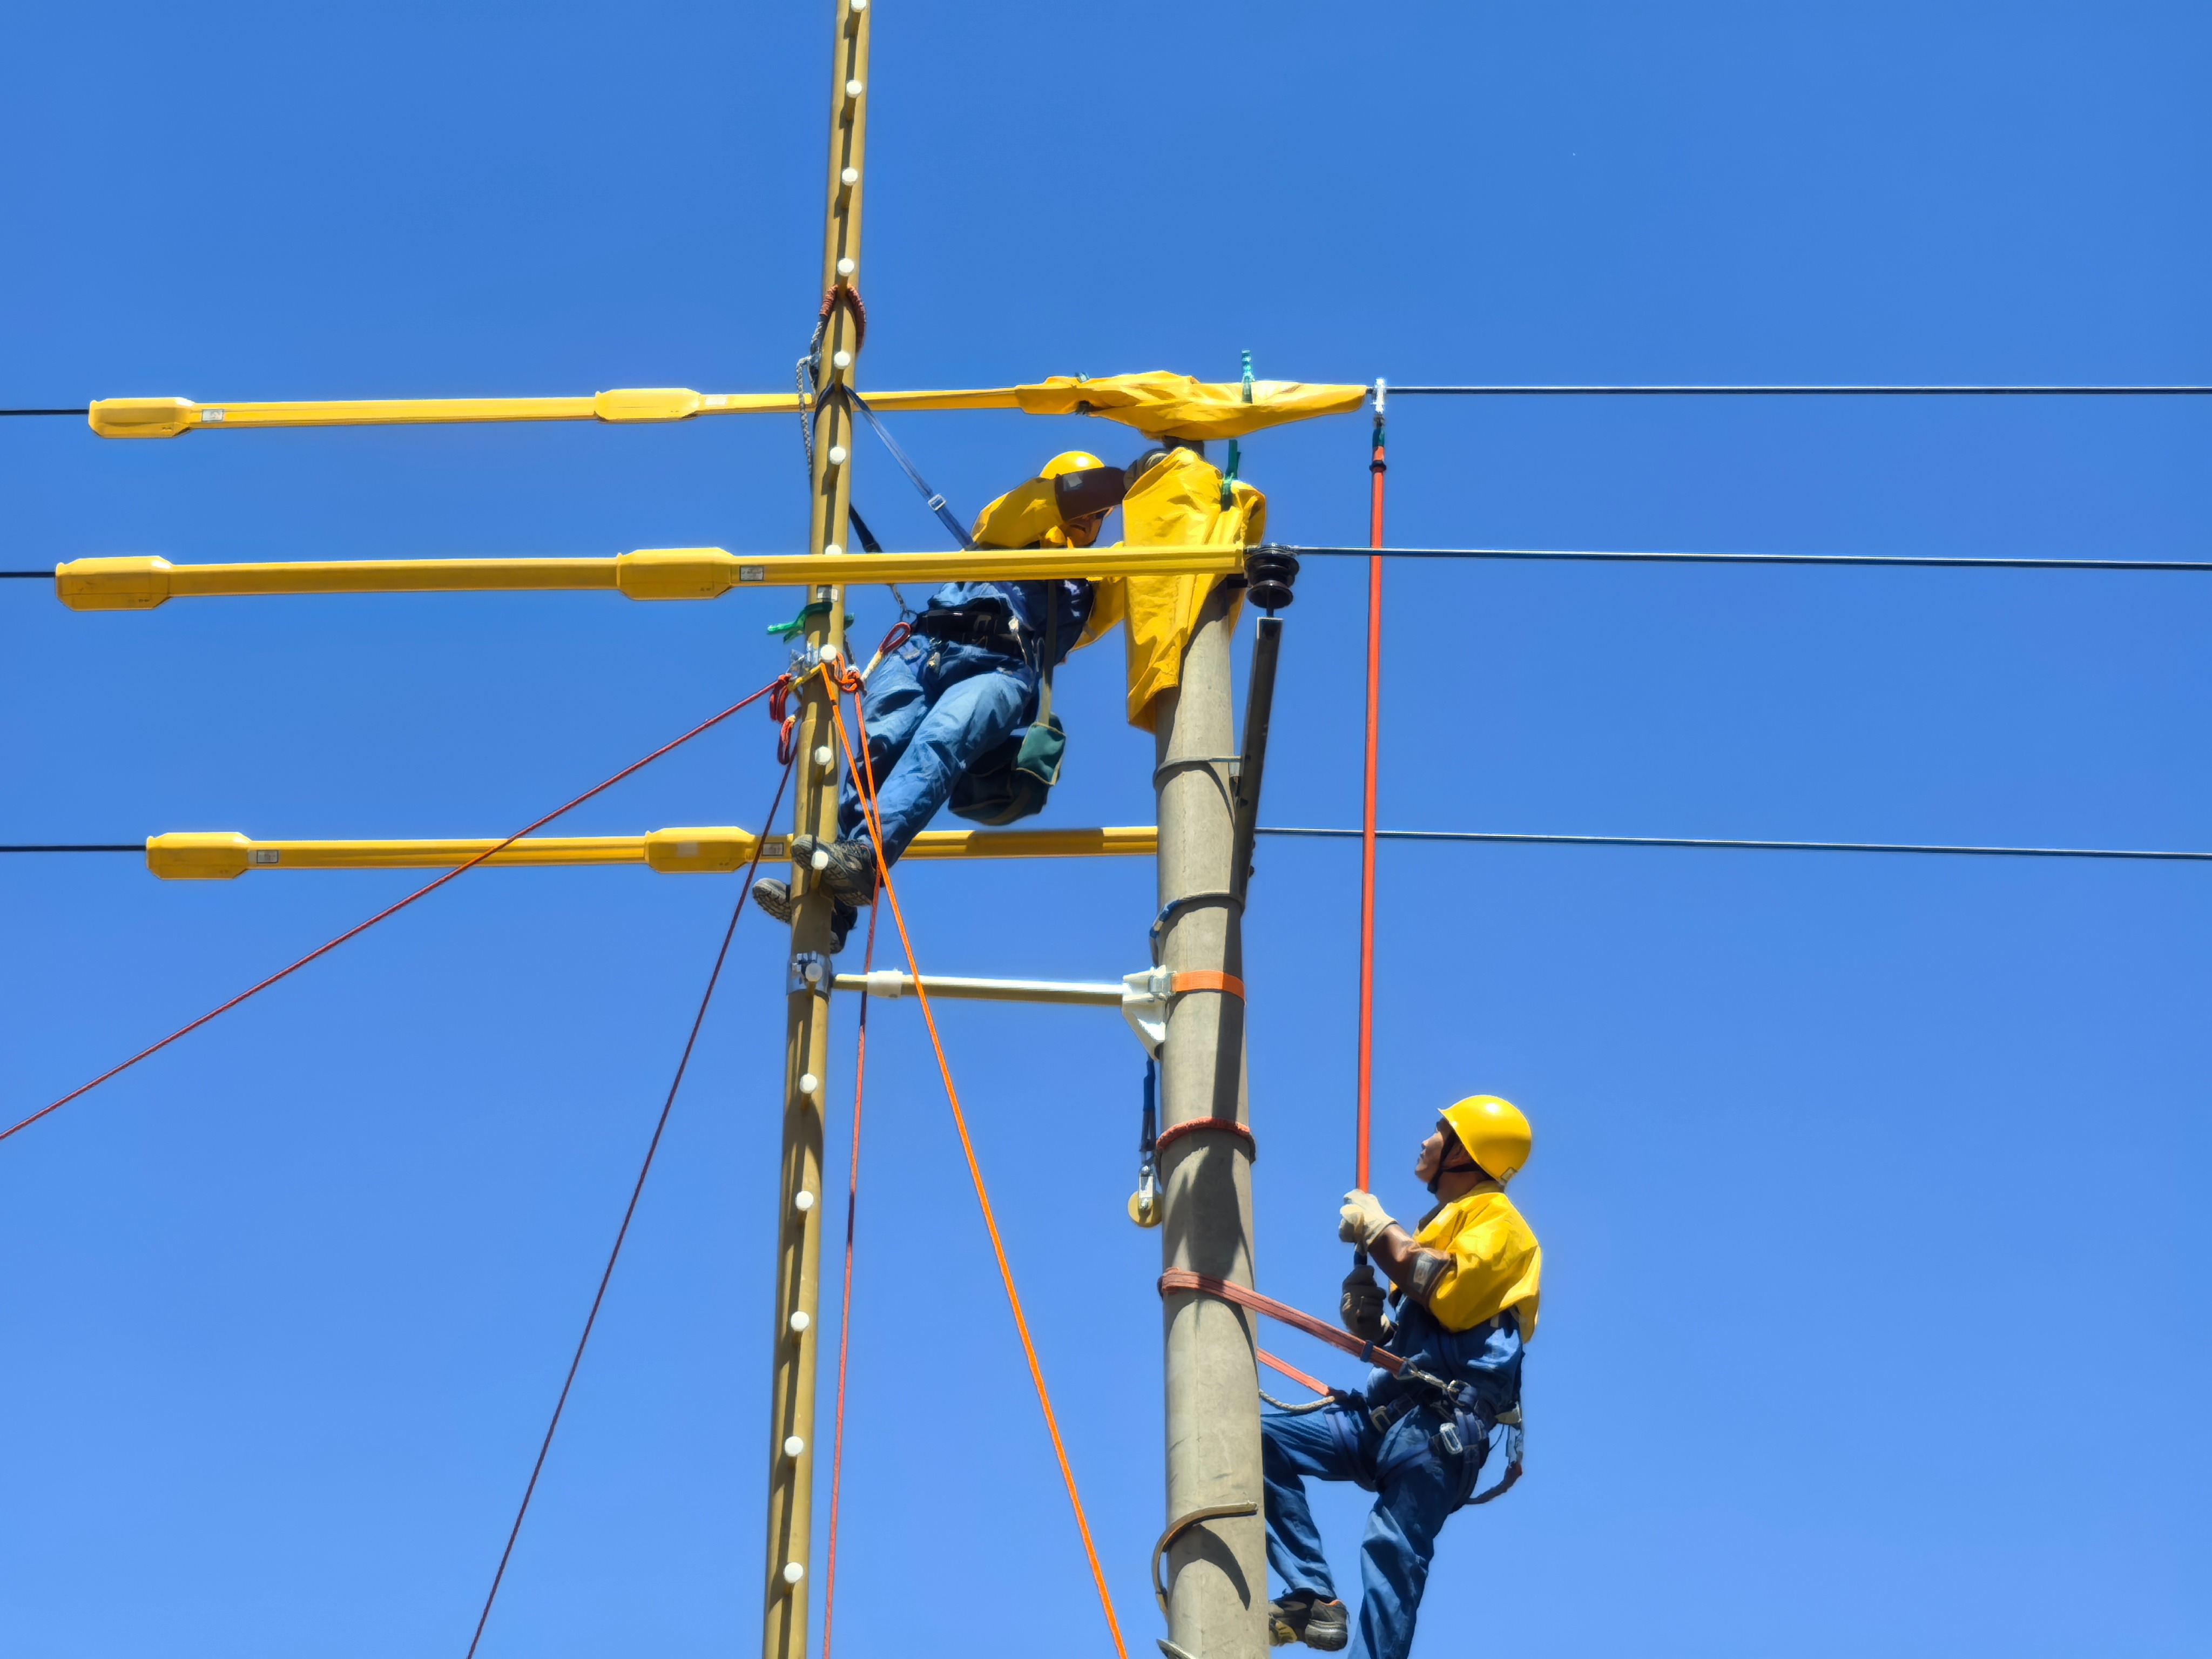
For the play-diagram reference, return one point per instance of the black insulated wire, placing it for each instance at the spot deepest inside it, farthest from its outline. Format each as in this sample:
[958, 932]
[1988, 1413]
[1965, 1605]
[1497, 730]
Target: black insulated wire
[1746, 846]
[45, 411]
[75, 847]
[1801, 391]
[1933, 562]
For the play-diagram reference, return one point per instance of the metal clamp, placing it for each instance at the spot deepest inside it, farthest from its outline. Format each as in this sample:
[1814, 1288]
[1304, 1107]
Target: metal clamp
[809, 971]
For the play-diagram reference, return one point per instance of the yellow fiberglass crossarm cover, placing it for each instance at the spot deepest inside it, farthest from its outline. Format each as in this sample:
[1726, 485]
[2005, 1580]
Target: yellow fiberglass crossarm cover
[1496, 1262]
[1176, 501]
[1164, 405]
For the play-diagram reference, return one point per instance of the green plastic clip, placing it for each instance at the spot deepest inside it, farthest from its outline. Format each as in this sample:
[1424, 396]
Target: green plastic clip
[797, 625]
[1228, 475]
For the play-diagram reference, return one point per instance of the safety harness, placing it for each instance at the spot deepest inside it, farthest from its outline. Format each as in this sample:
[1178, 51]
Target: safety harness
[1464, 1436]
[1014, 780]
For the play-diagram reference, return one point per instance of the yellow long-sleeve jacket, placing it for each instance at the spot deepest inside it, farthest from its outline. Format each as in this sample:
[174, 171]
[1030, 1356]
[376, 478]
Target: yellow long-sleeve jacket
[1491, 1261]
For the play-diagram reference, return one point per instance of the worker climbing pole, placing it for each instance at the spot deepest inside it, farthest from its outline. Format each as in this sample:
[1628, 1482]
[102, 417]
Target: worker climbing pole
[838, 333]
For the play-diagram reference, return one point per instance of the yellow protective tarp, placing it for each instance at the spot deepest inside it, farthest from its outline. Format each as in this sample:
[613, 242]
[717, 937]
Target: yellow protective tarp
[1176, 502]
[1164, 405]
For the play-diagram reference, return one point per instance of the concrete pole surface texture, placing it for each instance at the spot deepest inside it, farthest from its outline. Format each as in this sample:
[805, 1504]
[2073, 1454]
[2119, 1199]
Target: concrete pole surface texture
[788, 1581]
[1216, 1568]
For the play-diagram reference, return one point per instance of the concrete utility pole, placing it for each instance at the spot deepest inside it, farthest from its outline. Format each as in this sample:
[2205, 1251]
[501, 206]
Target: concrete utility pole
[805, 1074]
[1217, 1568]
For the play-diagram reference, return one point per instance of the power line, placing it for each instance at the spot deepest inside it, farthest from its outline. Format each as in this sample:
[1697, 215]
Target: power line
[1539, 840]
[45, 411]
[1748, 845]
[26, 575]
[1800, 391]
[1930, 561]
[424, 891]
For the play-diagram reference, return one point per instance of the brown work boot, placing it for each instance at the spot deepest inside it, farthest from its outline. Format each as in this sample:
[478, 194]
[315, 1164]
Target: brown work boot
[774, 897]
[1303, 1617]
[846, 869]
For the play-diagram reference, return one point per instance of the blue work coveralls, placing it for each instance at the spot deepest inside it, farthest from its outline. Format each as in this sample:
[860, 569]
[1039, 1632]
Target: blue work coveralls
[1416, 1479]
[933, 707]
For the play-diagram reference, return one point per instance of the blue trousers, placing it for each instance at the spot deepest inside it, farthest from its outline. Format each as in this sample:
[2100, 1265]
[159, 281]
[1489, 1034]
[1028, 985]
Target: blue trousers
[932, 707]
[1402, 1529]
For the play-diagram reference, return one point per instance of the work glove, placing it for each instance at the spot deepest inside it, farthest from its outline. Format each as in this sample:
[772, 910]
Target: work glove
[1362, 1220]
[1360, 1307]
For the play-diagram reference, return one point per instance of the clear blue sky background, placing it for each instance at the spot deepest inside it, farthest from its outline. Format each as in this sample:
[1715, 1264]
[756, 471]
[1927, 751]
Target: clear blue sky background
[1875, 1317]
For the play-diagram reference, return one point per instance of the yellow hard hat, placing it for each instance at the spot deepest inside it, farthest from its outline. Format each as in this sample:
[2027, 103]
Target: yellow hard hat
[1495, 1133]
[1083, 484]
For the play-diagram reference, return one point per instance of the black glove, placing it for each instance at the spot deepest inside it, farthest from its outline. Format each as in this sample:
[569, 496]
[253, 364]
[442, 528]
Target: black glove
[1360, 1307]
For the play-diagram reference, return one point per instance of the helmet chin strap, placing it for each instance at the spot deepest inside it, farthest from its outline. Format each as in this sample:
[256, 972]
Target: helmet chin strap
[1443, 1169]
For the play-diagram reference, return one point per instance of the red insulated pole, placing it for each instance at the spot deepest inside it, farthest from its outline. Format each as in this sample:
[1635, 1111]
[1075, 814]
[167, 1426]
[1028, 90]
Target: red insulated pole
[1376, 469]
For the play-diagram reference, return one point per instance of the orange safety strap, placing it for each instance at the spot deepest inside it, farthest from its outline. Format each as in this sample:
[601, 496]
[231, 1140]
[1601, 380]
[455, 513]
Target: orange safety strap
[1292, 1372]
[1178, 1279]
[968, 1147]
[1206, 979]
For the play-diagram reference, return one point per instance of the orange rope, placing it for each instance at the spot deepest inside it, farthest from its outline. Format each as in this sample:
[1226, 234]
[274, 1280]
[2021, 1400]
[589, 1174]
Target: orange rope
[974, 1170]
[845, 1299]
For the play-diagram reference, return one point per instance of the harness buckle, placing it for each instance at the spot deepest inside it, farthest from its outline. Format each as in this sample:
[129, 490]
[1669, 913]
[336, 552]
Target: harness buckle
[1449, 1437]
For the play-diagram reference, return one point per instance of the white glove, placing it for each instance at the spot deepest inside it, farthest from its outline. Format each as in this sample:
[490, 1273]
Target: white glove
[1363, 1220]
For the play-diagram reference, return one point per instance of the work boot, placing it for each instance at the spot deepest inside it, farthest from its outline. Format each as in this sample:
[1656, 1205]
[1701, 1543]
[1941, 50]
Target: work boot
[847, 869]
[1301, 1616]
[774, 897]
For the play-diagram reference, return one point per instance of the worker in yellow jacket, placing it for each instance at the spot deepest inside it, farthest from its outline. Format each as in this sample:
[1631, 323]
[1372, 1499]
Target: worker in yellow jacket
[981, 652]
[1463, 1306]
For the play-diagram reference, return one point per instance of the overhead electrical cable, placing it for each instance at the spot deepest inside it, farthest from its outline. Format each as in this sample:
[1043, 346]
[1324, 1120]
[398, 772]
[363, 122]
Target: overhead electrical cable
[1941, 562]
[1801, 390]
[1723, 844]
[1746, 846]
[75, 847]
[86, 409]
[630, 1213]
[360, 927]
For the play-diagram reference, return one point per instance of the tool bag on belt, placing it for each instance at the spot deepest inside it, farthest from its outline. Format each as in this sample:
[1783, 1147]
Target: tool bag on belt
[1012, 781]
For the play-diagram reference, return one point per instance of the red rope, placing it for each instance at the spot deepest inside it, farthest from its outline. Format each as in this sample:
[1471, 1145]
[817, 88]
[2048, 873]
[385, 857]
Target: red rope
[851, 1208]
[975, 1172]
[622, 1231]
[1376, 468]
[389, 910]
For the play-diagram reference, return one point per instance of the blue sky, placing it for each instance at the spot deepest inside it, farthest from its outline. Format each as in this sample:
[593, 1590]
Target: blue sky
[1874, 1312]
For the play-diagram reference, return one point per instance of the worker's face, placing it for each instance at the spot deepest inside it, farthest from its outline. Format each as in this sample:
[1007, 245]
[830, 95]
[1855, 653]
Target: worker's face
[1082, 532]
[1431, 1156]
